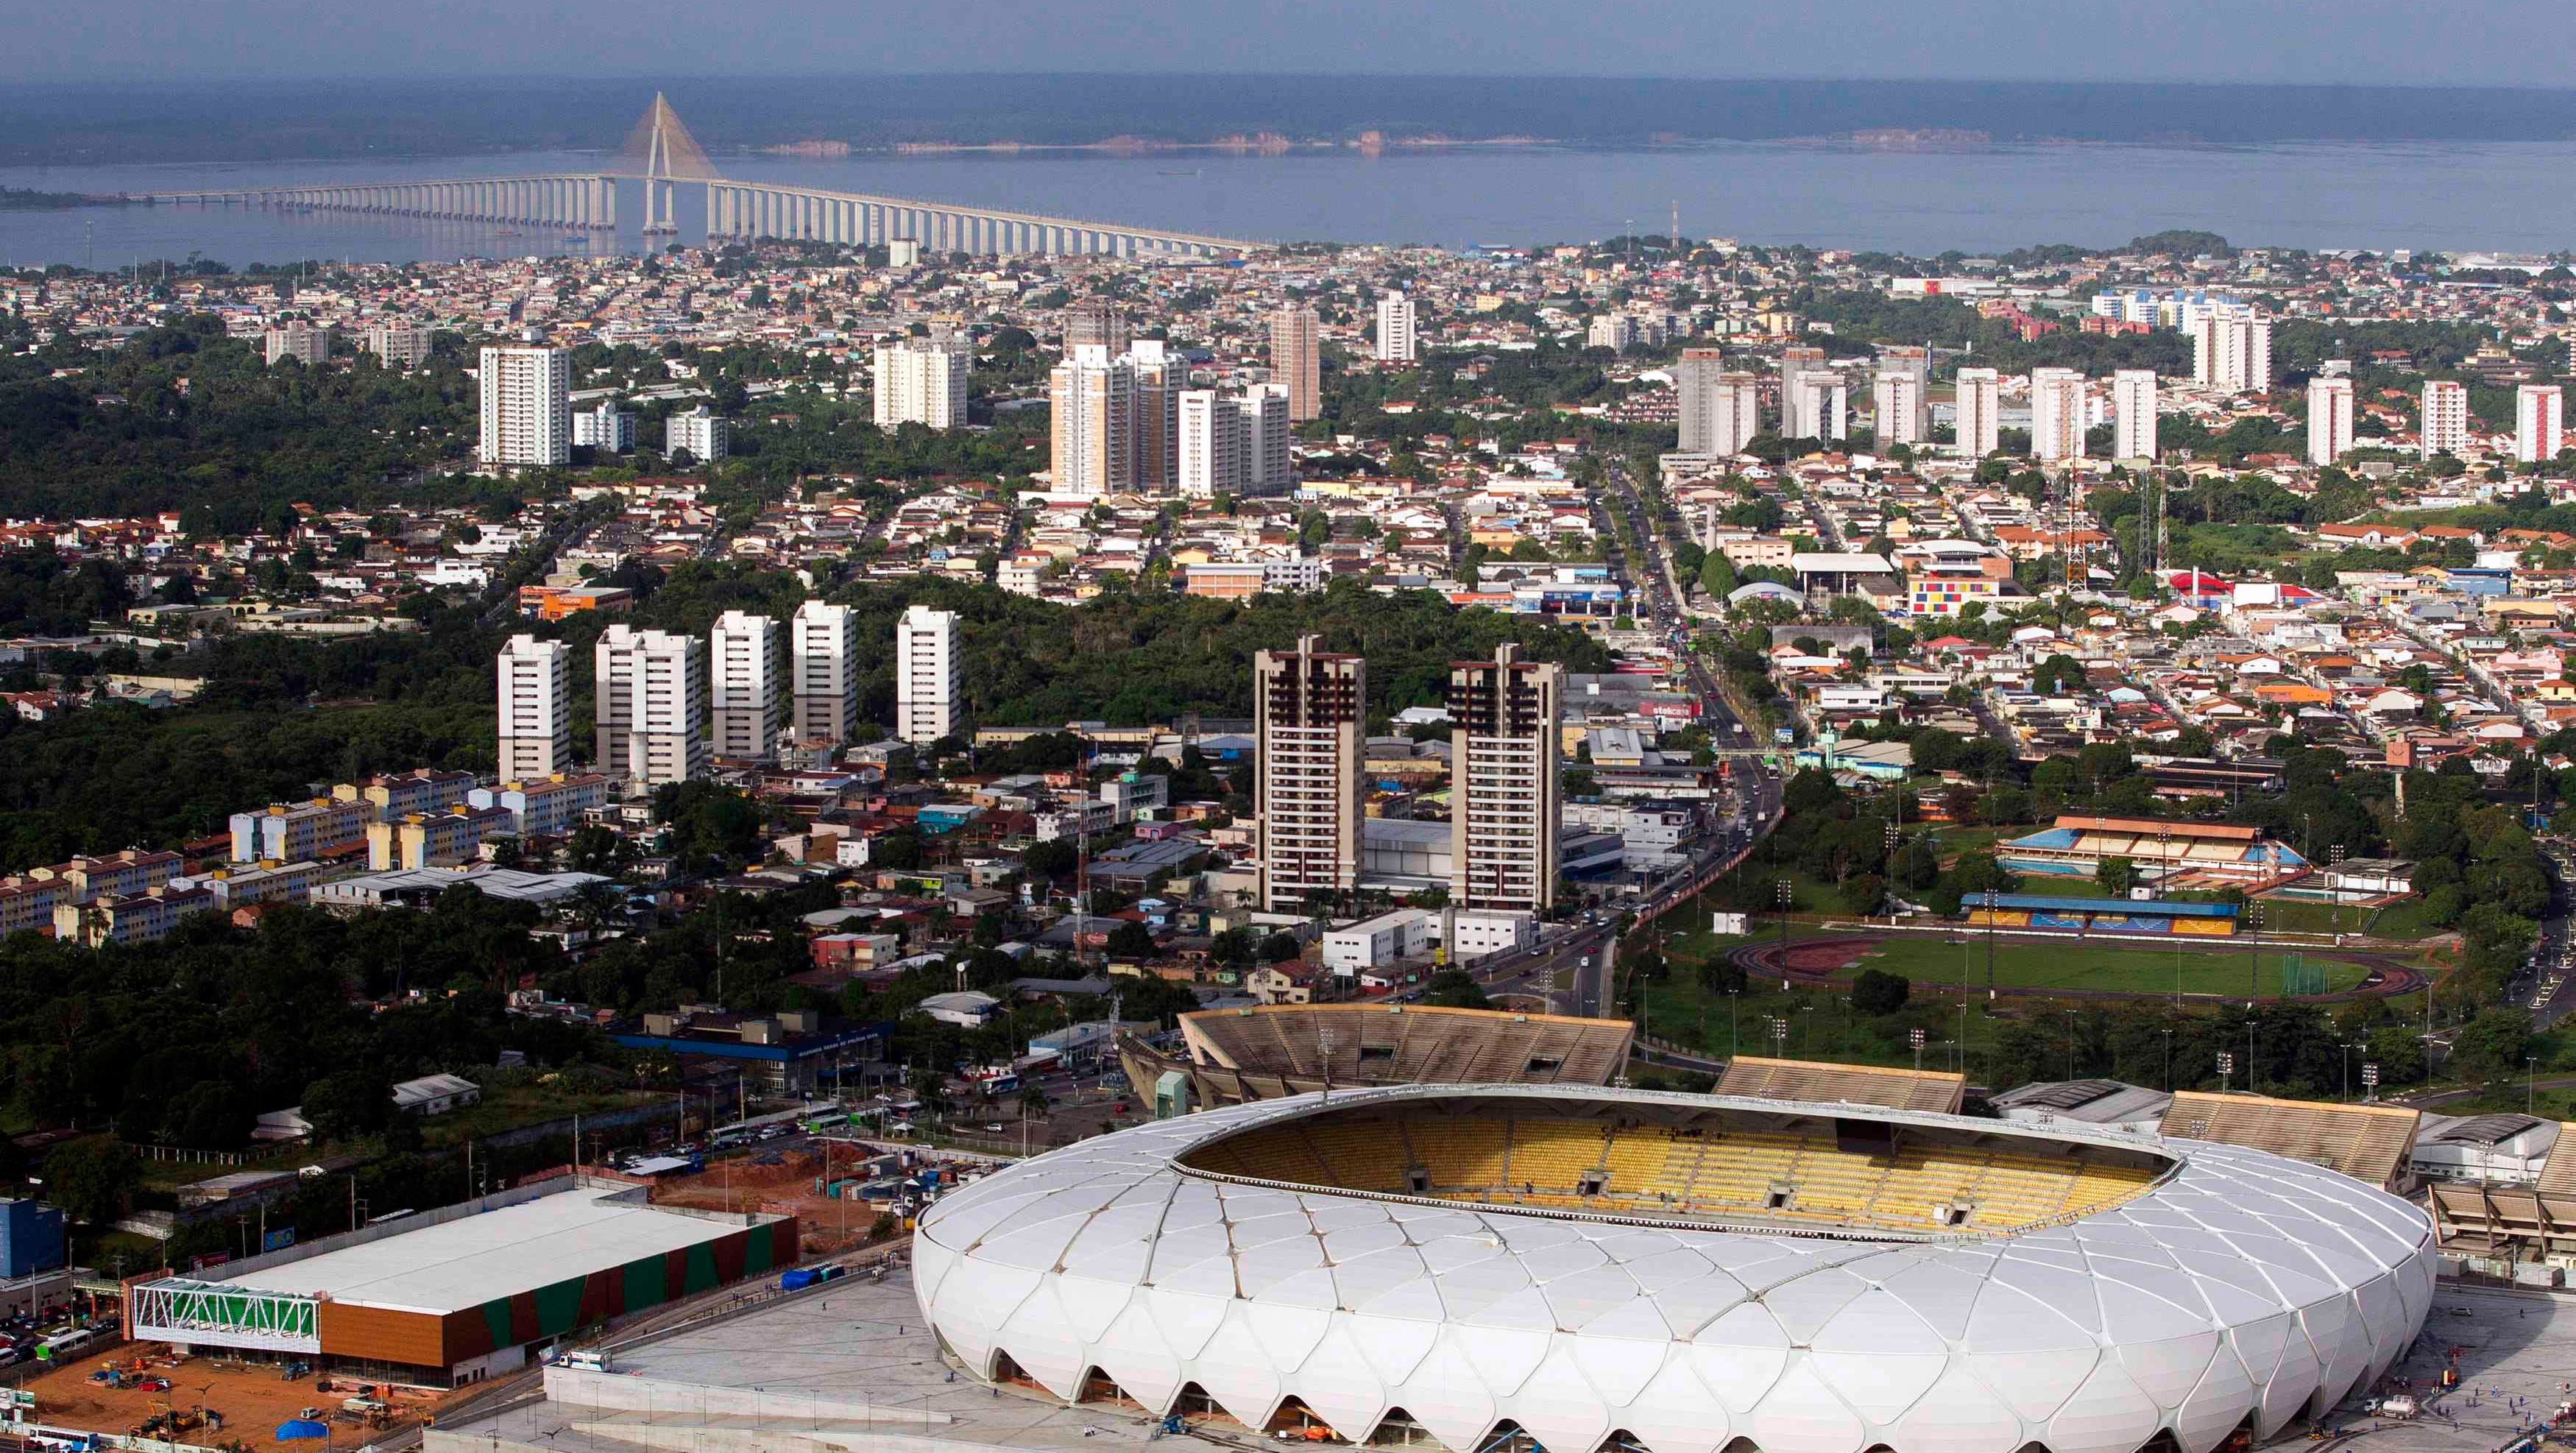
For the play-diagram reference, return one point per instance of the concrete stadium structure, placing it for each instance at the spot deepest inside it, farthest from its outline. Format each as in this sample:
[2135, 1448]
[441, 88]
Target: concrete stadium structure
[1604, 1269]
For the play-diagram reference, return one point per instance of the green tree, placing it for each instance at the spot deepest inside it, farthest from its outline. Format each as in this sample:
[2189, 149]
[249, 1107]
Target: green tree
[90, 1179]
[2115, 876]
[1876, 992]
[1131, 940]
[2494, 1045]
[1456, 989]
[350, 1103]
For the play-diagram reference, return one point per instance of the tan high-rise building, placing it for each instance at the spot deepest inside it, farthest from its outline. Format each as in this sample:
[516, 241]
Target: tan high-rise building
[1098, 325]
[1297, 360]
[2056, 414]
[1093, 399]
[1116, 419]
[2329, 418]
[2445, 422]
[1160, 380]
[1503, 802]
[1309, 726]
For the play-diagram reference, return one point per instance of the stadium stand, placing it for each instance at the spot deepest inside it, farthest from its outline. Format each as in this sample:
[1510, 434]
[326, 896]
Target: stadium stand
[2521, 1223]
[1229, 1056]
[1757, 1078]
[1797, 1166]
[2174, 854]
[2366, 1142]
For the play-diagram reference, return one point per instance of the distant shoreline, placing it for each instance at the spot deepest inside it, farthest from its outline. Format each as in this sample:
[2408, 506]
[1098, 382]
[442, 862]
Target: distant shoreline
[947, 114]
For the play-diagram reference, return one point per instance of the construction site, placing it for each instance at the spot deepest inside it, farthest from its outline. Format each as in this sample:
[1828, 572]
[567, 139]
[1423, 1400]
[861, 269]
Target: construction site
[147, 1392]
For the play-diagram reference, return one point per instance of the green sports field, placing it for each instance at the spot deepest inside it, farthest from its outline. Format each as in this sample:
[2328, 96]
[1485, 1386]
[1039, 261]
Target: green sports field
[1929, 960]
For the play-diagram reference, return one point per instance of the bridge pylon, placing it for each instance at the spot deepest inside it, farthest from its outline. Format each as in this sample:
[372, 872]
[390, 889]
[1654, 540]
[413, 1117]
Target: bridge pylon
[661, 151]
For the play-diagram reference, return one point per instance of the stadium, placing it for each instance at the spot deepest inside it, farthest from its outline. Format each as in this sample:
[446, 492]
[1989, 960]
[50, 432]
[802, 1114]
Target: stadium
[1230, 1056]
[1601, 1270]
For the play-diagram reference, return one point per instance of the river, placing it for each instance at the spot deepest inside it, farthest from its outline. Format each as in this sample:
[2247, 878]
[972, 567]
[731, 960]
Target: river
[2453, 196]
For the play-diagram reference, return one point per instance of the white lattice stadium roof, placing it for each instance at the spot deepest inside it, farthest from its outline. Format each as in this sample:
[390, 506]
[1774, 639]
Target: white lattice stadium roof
[2238, 1288]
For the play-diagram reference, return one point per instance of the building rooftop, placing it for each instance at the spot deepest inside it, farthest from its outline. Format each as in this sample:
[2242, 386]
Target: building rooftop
[453, 1265]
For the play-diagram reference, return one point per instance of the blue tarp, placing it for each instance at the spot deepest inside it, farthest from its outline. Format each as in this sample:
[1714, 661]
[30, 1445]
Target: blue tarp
[294, 1428]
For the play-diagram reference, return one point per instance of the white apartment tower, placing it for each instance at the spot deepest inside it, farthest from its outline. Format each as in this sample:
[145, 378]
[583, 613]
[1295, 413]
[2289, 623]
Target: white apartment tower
[299, 340]
[527, 406]
[1395, 342]
[2056, 414]
[646, 701]
[1504, 805]
[1214, 445]
[1719, 410]
[1822, 406]
[2446, 418]
[2231, 349]
[1297, 360]
[1905, 358]
[706, 435]
[1269, 467]
[1309, 727]
[742, 651]
[926, 695]
[2329, 419]
[922, 381]
[823, 671]
[2537, 436]
[605, 427]
[1795, 360]
[399, 345]
[536, 709]
[2133, 398]
[1978, 424]
[1115, 419]
[1896, 408]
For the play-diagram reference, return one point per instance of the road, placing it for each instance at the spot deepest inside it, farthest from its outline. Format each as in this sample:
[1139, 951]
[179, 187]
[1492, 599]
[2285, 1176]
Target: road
[1584, 954]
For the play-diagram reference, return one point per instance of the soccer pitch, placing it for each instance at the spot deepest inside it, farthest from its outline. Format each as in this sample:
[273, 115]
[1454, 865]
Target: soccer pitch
[1932, 961]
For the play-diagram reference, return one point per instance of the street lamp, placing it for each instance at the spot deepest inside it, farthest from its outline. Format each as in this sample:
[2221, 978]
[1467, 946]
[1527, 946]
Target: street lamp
[2254, 976]
[1916, 1037]
[2226, 1069]
[2070, 1044]
[2369, 1081]
[1784, 893]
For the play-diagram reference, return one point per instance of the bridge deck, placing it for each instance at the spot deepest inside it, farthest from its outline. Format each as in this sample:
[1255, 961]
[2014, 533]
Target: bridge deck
[994, 215]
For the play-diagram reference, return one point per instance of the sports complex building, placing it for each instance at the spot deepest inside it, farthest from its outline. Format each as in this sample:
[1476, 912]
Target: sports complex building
[1598, 1270]
[2170, 855]
[455, 1296]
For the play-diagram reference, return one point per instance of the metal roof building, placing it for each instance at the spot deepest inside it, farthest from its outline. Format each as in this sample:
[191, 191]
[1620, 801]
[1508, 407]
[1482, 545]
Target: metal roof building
[474, 1289]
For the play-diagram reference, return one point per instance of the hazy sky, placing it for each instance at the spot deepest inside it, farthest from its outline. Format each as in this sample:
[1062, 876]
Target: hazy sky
[2387, 42]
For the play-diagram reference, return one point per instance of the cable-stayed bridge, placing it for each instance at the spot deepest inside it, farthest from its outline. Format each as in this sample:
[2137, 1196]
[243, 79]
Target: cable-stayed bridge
[663, 156]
